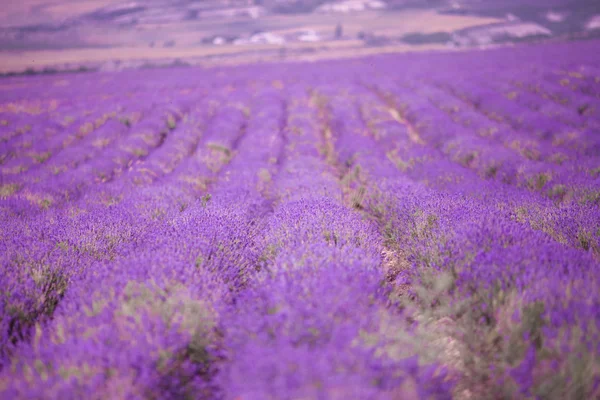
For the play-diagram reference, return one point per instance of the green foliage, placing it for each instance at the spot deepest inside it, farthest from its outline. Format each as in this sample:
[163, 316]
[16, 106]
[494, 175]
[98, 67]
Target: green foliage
[8, 189]
[538, 181]
[591, 197]
[331, 237]
[557, 192]
[206, 199]
[558, 158]
[219, 148]
[42, 157]
[171, 122]
[125, 121]
[180, 310]
[45, 203]
[491, 171]
[467, 160]
[357, 197]
[50, 286]
[584, 239]
[139, 152]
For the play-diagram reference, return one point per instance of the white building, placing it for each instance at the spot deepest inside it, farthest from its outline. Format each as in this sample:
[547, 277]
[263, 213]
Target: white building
[267, 38]
[485, 35]
[309, 36]
[347, 6]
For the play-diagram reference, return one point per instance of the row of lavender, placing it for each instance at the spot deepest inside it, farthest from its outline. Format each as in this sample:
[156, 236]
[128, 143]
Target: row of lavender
[388, 228]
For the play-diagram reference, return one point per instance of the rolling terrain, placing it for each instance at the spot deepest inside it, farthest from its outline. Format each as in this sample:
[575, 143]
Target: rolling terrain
[45, 36]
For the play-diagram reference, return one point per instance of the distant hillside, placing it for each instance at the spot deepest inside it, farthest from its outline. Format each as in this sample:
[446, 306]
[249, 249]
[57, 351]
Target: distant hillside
[560, 17]
[74, 33]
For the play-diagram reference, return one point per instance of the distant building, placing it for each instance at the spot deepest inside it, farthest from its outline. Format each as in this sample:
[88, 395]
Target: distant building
[347, 6]
[501, 32]
[309, 36]
[261, 38]
[219, 40]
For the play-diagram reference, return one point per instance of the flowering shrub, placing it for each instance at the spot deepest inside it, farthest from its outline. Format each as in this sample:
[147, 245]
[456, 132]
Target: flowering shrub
[402, 226]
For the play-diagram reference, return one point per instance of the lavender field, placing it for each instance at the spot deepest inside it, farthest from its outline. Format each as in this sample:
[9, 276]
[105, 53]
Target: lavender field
[409, 226]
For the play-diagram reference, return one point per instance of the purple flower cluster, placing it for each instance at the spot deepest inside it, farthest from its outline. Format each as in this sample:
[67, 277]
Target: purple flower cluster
[402, 226]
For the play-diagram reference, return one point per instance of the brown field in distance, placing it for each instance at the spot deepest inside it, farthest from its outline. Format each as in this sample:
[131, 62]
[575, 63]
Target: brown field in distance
[146, 42]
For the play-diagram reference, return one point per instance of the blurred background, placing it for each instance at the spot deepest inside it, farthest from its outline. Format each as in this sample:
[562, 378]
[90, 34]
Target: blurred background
[47, 36]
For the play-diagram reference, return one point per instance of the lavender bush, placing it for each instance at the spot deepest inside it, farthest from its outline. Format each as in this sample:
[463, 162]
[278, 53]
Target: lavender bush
[396, 227]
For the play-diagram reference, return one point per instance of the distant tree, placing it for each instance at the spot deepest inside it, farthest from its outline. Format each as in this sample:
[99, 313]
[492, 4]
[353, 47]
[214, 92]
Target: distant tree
[338, 31]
